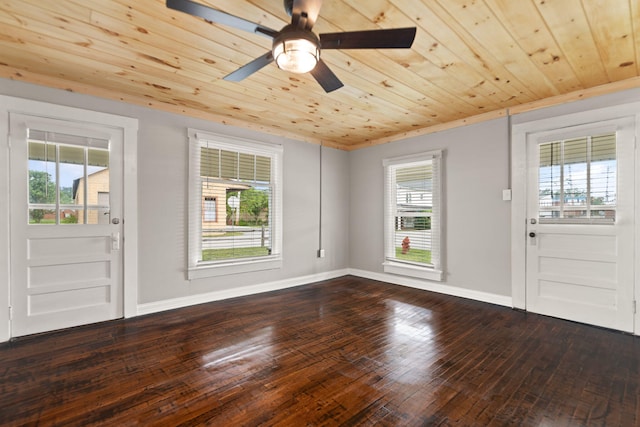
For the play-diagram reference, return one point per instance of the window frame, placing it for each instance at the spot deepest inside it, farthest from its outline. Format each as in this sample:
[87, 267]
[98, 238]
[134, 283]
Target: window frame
[433, 272]
[197, 269]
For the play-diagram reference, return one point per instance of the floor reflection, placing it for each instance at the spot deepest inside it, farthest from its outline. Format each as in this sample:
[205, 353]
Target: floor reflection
[412, 342]
[247, 351]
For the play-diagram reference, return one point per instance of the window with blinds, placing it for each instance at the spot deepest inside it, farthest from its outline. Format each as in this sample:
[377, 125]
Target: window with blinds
[577, 179]
[235, 203]
[412, 215]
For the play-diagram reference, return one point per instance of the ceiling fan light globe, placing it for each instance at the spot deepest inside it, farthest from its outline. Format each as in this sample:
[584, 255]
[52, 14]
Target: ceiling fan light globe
[298, 55]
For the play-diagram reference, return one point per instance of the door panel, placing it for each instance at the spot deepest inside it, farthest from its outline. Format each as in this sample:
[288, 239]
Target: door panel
[580, 230]
[66, 182]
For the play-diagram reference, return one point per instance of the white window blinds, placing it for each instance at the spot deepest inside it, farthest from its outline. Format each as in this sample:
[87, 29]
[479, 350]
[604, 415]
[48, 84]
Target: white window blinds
[235, 201]
[412, 215]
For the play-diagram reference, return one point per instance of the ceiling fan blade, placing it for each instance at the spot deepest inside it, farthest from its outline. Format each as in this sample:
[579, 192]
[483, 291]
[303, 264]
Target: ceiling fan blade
[219, 17]
[250, 68]
[370, 39]
[305, 12]
[325, 77]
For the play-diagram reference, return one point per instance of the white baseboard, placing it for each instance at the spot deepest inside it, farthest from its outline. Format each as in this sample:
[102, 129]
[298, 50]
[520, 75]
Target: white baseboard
[170, 304]
[435, 287]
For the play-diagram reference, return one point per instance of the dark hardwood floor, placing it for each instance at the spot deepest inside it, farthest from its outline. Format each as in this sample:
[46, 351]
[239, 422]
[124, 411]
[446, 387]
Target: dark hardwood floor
[348, 351]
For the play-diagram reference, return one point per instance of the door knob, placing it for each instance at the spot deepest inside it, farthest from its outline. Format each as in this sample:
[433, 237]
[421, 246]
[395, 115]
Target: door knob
[115, 221]
[532, 234]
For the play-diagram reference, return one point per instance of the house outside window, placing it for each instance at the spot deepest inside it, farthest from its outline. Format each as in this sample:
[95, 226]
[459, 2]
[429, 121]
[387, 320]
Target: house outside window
[412, 215]
[235, 220]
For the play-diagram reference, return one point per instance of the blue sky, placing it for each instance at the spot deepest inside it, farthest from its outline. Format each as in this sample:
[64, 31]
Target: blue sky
[68, 172]
[601, 185]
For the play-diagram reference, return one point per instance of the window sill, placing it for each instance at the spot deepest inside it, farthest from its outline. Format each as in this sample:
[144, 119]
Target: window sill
[413, 271]
[214, 270]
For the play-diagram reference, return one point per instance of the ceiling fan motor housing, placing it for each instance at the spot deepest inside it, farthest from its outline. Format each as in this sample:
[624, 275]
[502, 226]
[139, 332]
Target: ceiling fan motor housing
[296, 50]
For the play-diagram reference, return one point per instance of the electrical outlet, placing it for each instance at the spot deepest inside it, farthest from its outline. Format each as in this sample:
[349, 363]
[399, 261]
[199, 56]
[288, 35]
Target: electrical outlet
[320, 253]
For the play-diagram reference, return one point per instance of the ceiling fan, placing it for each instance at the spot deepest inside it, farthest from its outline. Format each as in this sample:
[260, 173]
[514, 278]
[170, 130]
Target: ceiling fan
[295, 47]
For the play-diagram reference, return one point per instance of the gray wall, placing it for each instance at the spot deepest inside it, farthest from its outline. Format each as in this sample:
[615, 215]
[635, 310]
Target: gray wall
[476, 220]
[162, 198]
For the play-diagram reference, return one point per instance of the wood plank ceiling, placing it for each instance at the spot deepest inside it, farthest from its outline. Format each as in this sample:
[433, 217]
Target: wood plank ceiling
[471, 60]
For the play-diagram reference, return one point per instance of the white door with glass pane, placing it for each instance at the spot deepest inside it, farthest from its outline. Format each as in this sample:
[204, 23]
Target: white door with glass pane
[580, 224]
[66, 233]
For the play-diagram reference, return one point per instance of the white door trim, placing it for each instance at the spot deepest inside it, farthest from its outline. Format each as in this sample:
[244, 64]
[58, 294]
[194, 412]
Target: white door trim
[519, 169]
[130, 204]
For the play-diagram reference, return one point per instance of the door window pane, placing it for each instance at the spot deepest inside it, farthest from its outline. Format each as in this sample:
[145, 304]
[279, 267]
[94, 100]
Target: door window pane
[603, 180]
[43, 179]
[71, 193]
[577, 178]
[68, 180]
[575, 188]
